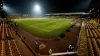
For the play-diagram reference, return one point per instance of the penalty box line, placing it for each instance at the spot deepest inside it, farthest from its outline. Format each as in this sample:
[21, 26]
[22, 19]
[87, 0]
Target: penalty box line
[40, 28]
[35, 27]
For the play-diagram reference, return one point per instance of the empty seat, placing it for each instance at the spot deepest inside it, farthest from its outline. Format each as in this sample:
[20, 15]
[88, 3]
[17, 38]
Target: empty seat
[95, 35]
[96, 47]
[91, 35]
[91, 53]
[87, 33]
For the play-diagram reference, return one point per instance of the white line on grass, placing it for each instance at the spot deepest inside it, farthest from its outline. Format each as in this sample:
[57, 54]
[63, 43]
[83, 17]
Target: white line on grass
[45, 30]
[41, 28]
[35, 27]
[38, 28]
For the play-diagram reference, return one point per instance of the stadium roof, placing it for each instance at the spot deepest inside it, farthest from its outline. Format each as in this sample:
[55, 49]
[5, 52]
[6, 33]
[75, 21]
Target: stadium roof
[75, 13]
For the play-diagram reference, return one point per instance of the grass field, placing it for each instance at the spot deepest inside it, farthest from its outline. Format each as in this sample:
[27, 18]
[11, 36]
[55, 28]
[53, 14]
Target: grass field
[44, 27]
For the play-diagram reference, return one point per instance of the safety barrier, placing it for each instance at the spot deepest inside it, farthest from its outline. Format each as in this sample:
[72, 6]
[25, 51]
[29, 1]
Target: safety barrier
[30, 48]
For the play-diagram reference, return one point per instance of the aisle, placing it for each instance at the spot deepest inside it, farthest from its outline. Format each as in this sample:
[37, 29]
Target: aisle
[82, 48]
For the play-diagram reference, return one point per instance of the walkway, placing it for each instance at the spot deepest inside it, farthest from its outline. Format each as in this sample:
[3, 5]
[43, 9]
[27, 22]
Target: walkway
[82, 48]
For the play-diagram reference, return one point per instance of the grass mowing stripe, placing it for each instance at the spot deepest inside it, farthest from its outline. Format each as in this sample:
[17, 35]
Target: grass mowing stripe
[41, 28]
[35, 27]
[44, 27]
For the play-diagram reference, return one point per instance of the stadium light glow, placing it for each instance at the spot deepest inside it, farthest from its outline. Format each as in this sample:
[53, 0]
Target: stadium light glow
[5, 7]
[37, 10]
[8, 9]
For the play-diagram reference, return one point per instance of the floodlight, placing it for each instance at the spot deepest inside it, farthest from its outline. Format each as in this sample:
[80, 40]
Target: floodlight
[7, 9]
[37, 9]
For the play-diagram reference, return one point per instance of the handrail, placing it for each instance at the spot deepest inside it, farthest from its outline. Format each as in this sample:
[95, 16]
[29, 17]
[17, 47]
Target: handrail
[64, 53]
[15, 44]
[78, 38]
[10, 47]
[30, 48]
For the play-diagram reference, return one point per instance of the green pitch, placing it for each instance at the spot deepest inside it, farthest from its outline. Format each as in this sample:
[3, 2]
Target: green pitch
[44, 27]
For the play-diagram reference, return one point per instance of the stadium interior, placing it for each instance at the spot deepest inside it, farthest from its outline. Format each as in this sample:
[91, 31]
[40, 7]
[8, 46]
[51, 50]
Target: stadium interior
[52, 34]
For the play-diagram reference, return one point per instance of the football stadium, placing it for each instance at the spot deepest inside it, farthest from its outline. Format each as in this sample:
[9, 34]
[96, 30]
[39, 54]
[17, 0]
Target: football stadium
[49, 28]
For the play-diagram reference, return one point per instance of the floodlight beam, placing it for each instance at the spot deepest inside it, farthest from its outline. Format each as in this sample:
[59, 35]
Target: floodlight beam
[37, 10]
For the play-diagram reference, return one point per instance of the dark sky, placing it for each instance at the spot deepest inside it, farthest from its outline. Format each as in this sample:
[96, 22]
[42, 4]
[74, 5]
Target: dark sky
[48, 6]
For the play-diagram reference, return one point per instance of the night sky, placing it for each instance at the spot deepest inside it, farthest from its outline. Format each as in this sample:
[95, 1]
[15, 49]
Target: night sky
[48, 6]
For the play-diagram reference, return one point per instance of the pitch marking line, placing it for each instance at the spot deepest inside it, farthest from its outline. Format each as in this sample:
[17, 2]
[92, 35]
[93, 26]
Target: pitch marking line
[40, 28]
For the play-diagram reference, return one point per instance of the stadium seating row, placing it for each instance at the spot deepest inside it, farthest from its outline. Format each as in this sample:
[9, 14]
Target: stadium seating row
[5, 42]
[90, 26]
[96, 48]
[93, 34]
[91, 52]
[90, 32]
